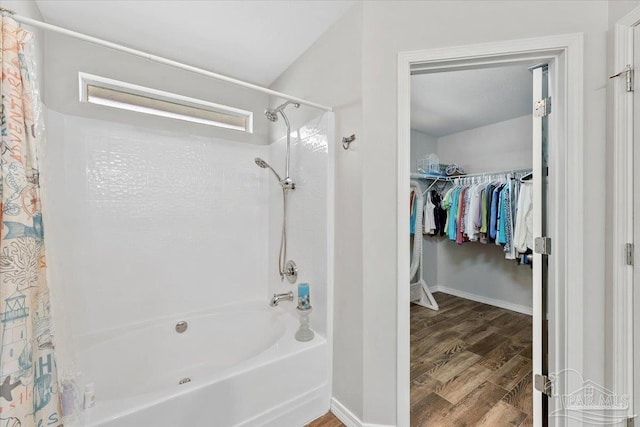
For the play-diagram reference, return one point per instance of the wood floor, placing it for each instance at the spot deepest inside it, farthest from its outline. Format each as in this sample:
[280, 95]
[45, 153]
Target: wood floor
[327, 420]
[470, 366]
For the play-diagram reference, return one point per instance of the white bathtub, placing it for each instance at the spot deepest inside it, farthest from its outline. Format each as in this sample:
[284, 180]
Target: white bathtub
[244, 365]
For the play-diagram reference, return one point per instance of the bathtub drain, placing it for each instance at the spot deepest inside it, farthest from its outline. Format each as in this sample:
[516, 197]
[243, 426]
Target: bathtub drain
[184, 381]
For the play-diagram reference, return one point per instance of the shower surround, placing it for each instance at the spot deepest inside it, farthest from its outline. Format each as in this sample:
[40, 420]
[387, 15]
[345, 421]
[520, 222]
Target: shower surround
[148, 228]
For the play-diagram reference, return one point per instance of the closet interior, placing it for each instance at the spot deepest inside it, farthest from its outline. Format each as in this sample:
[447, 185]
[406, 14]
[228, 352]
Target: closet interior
[471, 208]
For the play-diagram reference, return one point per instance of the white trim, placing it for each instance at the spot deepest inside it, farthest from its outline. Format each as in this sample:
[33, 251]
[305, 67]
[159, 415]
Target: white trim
[403, 358]
[343, 414]
[567, 274]
[165, 61]
[347, 417]
[331, 185]
[485, 300]
[623, 202]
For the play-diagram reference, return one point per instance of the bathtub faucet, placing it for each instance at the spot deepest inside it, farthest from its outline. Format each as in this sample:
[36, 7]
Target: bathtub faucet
[280, 297]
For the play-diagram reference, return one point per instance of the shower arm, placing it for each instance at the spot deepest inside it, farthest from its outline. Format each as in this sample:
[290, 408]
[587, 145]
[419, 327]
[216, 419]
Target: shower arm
[288, 154]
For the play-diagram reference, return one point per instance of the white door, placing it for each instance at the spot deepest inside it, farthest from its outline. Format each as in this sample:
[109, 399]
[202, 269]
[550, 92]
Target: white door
[542, 107]
[635, 189]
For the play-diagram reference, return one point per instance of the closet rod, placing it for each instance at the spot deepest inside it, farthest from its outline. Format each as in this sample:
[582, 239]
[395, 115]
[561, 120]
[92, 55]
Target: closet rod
[418, 175]
[451, 178]
[507, 172]
[160, 59]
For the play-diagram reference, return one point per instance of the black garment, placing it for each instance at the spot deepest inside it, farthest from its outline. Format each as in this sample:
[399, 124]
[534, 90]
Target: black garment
[439, 214]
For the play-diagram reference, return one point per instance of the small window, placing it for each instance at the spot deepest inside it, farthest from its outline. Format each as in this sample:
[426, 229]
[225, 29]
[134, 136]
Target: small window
[112, 93]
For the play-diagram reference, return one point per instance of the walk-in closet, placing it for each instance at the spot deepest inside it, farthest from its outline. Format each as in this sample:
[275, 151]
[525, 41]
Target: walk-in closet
[471, 243]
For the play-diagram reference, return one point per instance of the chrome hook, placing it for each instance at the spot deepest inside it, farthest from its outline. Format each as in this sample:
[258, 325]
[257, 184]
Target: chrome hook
[347, 140]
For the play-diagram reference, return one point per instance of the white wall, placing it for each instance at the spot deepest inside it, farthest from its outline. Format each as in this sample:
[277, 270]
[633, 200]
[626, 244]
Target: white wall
[148, 223]
[499, 146]
[330, 72]
[391, 27]
[65, 57]
[422, 145]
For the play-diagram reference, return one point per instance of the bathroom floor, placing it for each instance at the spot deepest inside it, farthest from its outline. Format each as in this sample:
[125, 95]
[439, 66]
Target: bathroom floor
[470, 366]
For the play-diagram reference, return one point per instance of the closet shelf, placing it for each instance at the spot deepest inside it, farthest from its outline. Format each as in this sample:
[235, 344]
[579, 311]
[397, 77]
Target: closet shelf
[452, 178]
[419, 175]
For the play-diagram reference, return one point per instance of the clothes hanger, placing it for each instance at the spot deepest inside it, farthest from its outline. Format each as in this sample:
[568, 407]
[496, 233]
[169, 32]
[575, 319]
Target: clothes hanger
[526, 177]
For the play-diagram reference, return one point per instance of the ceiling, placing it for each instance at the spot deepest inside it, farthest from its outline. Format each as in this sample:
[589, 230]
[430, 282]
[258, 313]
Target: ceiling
[250, 40]
[444, 103]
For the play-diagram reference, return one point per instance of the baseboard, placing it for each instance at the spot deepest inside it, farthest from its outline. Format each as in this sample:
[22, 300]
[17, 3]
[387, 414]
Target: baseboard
[348, 418]
[485, 300]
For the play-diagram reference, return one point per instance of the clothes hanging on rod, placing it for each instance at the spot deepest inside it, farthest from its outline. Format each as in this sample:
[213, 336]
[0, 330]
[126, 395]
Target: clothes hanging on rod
[434, 216]
[486, 209]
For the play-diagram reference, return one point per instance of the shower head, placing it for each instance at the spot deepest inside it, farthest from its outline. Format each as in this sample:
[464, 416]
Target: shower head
[265, 165]
[272, 113]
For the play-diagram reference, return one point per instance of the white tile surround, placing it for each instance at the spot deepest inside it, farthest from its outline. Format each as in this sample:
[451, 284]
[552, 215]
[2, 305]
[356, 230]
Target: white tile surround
[144, 224]
[307, 212]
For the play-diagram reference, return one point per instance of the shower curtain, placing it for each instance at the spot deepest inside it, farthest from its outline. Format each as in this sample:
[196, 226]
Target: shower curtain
[29, 394]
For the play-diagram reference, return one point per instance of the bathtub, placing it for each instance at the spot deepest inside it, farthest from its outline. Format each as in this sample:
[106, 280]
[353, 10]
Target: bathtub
[239, 366]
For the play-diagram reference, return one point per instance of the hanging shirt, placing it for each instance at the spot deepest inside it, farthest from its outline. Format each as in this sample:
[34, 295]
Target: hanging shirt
[439, 214]
[429, 218]
[508, 221]
[486, 212]
[446, 205]
[472, 228]
[523, 235]
[502, 216]
[493, 224]
[412, 209]
[452, 218]
[461, 211]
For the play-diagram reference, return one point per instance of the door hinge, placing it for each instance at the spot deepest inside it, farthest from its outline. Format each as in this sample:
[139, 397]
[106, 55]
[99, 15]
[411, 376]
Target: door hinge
[630, 421]
[628, 248]
[543, 384]
[542, 107]
[628, 77]
[542, 245]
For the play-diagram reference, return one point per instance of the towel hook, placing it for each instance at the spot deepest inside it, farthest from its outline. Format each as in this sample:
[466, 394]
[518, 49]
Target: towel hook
[347, 140]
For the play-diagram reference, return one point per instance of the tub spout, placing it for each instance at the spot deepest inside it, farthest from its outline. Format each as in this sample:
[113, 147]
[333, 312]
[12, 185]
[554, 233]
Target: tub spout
[280, 297]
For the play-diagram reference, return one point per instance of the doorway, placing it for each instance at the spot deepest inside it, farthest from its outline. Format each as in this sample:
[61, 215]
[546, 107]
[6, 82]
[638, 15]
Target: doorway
[472, 181]
[551, 51]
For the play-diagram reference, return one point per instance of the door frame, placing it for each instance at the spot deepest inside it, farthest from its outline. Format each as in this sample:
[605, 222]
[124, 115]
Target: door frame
[566, 192]
[623, 202]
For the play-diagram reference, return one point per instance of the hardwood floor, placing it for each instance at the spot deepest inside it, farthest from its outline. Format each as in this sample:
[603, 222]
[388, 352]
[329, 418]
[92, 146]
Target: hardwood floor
[470, 366]
[327, 420]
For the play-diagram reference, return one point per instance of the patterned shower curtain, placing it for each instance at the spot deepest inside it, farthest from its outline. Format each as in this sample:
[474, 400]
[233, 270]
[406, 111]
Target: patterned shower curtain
[29, 394]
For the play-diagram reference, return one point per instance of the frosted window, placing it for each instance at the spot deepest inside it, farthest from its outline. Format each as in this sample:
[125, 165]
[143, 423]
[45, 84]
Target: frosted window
[112, 93]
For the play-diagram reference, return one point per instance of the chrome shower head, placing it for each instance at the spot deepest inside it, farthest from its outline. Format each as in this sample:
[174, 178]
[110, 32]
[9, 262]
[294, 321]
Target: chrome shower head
[272, 113]
[265, 165]
[261, 163]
